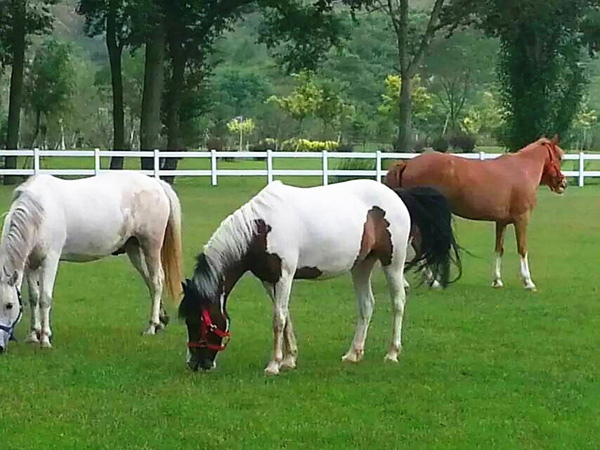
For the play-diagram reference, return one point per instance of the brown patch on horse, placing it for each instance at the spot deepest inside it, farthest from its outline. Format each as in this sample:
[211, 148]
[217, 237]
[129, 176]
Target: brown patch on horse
[307, 273]
[264, 265]
[376, 239]
[393, 178]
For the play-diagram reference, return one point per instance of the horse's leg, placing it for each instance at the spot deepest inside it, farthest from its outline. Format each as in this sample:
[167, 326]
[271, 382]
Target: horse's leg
[156, 276]
[281, 297]
[361, 277]
[521, 234]
[136, 256]
[290, 348]
[33, 287]
[500, 229]
[47, 277]
[395, 280]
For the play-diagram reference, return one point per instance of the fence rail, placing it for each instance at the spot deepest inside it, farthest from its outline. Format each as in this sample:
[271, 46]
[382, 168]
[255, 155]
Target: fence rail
[269, 172]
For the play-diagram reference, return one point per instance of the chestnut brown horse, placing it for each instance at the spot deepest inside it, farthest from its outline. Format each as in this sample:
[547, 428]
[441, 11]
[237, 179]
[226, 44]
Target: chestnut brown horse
[502, 190]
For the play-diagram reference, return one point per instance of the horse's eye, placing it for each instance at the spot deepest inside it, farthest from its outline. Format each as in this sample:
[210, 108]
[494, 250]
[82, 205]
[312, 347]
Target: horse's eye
[9, 306]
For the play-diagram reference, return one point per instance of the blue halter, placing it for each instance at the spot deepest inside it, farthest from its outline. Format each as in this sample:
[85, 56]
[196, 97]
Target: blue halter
[11, 328]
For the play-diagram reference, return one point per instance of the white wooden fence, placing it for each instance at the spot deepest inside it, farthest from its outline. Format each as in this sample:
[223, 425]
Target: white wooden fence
[269, 172]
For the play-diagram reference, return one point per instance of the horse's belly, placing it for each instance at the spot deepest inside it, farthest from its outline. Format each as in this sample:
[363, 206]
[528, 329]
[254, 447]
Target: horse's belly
[91, 247]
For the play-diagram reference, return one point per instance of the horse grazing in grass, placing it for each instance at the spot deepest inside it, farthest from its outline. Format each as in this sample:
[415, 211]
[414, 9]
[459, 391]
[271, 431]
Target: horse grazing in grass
[286, 233]
[52, 220]
[501, 190]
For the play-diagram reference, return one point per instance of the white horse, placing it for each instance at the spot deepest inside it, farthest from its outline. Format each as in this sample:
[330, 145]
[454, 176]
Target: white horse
[286, 233]
[52, 220]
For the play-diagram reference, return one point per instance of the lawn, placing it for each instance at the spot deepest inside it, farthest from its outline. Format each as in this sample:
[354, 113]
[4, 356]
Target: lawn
[481, 367]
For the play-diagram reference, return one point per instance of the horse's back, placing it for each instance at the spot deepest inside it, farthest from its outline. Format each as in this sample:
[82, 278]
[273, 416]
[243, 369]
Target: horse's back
[327, 223]
[92, 217]
[476, 189]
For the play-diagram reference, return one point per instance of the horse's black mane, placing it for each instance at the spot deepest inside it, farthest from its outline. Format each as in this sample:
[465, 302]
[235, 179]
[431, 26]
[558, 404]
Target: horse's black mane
[202, 289]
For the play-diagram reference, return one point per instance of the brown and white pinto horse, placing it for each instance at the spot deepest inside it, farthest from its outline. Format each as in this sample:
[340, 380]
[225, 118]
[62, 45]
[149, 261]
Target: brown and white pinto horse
[286, 233]
[501, 190]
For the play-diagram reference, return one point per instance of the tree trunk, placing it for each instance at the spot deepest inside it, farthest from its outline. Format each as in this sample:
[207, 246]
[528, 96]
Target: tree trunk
[16, 86]
[178, 61]
[115, 52]
[405, 116]
[151, 97]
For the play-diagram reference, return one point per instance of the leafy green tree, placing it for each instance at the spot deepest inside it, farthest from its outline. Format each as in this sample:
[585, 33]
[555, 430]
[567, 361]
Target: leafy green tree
[458, 69]
[51, 82]
[302, 102]
[414, 34]
[541, 77]
[113, 19]
[422, 100]
[23, 18]
[240, 126]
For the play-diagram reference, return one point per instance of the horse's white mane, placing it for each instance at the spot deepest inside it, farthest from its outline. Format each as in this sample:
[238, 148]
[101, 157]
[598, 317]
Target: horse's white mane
[20, 228]
[231, 240]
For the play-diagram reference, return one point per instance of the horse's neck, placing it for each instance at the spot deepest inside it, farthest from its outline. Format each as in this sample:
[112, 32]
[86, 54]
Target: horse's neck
[232, 275]
[534, 157]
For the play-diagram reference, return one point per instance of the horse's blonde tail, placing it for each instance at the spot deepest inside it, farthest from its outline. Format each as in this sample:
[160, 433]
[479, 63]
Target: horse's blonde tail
[170, 254]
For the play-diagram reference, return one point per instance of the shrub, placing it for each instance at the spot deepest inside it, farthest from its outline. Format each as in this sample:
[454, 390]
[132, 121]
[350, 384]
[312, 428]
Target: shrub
[440, 144]
[353, 164]
[305, 145]
[420, 145]
[215, 144]
[463, 142]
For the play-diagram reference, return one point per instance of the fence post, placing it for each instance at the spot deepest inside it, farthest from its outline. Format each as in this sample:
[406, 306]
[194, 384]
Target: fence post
[581, 169]
[378, 165]
[96, 161]
[269, 166]
[325, 168]
[213, 167]
[36, 161]
[481, 156]
[156, 163]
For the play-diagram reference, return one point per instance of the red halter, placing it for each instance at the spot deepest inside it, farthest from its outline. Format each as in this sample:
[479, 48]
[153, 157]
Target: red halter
[208, 326]
[553, 161]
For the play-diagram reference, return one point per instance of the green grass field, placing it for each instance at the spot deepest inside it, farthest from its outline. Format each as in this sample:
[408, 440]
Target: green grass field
[481, 367]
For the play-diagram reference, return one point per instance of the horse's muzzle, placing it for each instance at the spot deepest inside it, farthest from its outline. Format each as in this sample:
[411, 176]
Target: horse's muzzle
[1, 349]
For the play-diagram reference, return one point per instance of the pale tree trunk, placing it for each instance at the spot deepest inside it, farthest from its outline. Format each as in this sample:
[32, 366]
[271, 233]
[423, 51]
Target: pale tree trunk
[150, 123]
[16, 85]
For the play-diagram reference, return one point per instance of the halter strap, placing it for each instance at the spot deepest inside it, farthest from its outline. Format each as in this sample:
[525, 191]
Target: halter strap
[209, 326]
[10, 329]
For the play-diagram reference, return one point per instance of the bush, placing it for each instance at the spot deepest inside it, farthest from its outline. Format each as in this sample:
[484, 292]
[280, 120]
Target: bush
[345, 148]
[215, 144]
[353, 164]
[305, 145]
[420, 145]
[463, 142]
[440, 144]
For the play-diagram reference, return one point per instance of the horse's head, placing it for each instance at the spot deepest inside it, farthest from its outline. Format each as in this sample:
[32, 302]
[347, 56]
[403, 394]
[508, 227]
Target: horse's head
[552, 175]
[207, 321]
[11, 308]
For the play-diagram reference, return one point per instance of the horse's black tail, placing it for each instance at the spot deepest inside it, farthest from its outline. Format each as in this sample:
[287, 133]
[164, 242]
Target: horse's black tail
[430, 212]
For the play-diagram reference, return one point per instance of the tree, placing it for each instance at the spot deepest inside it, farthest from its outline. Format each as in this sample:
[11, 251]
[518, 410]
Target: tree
[25, 17]
[540, 73]
[240, 126]
[112, 18]
[422, 100]
[412, 44]
[458, 69]
[51, 83]
[302, 102]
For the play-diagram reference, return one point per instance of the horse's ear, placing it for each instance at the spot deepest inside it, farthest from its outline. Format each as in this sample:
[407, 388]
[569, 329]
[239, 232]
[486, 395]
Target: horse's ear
[555, 139]
[13, 278]
[185, 284]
